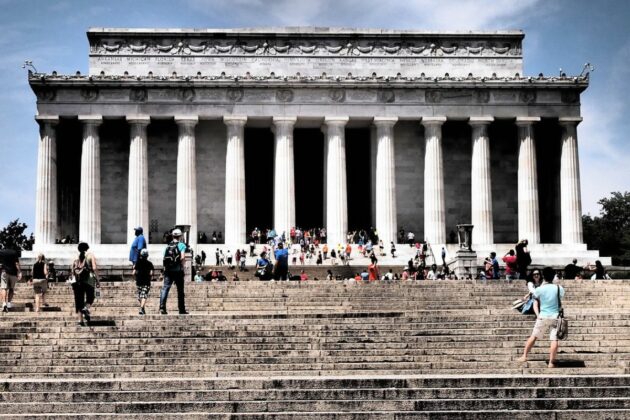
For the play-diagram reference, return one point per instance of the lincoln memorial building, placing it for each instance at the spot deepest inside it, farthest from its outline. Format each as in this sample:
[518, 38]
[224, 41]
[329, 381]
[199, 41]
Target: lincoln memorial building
[228, 130]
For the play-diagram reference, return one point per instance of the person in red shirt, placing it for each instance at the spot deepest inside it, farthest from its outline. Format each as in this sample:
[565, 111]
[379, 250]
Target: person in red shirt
[303, 276]
[511, 268]
[373, 270]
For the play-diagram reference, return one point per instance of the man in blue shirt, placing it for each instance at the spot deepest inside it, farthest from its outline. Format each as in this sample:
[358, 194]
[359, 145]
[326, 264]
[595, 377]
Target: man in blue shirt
[282, 262]
[547, 295]
[138, 244]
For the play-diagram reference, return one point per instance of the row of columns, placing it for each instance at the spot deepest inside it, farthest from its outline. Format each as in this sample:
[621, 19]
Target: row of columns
[335, 179]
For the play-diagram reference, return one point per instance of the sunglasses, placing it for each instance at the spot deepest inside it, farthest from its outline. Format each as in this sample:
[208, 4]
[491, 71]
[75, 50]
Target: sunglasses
[536, 274]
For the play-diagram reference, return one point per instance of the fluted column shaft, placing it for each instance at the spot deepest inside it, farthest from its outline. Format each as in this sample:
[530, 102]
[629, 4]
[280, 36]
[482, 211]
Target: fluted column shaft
[481, 181]
[434, 210]
[336, 184]
[284, 178]
[570, 196]
[528, 210]
[235, 221]
[386, 222]
[90, 192]
[138, 191]
[186, 206]
[46, 226]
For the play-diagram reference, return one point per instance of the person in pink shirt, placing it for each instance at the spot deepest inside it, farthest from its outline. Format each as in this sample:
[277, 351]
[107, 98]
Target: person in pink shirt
[511, 268]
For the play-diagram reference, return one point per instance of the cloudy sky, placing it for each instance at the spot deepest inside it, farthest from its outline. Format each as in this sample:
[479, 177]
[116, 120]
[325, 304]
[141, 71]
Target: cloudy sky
[558, 34]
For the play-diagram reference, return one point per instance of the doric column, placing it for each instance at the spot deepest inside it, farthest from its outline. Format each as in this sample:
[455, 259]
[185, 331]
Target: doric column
[336, 186]
[480, 181]
[186, 206]
[138, 191]
[528, 211]
[570, 198]
[386, 224]
[434, 213]
[90, 195]
[284, 178]
[235, 229]
[46, 205]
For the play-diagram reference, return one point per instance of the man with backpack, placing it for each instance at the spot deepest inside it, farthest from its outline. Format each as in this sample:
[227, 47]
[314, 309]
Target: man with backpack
[173, 262]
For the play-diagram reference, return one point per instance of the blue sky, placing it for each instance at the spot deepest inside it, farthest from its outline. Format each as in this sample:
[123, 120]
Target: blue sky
[558, 34]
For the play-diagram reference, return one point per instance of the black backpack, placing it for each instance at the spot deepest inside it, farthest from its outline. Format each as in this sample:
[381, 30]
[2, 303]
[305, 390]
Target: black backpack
[172, 256]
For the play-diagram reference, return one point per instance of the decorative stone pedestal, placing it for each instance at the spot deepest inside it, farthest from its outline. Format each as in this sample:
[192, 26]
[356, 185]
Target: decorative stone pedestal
[465, 263]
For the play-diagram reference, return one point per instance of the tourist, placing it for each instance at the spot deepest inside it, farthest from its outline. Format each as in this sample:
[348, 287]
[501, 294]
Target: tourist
[143, 270]
[243, 260]
[443, 254]
[511, 268]
[381, 247]
[373, 273]
[572, 271]
[319, 260]
[263, 267]
[235, 276]
[282, 262]
[174, 258]
[203, 257]
[217, 257]
[329, 275]
[496, 271]
[52, 273]
[333, 256]
[40, 281]
[532, 283]
[11, 273]
[138, 244]
[303, 276]
[325, 251]
[548, 295]
[410, 238]
[365, 276]
[523, 258]
[228, 257]
[85, 274]
[599, 271]
[431, 274]
[393, 249]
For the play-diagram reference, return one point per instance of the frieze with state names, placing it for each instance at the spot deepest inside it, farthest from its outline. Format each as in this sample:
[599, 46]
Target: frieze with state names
[305, 51]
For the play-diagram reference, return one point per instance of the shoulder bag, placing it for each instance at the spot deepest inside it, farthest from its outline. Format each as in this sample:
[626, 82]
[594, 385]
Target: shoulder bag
[562, 325]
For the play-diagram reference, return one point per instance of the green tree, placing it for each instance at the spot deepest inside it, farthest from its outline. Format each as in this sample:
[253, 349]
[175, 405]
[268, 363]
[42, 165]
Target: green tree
[610, 232]
[12, 237]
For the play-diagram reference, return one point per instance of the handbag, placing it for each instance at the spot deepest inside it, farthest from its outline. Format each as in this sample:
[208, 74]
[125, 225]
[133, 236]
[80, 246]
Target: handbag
[562, 324]
[528, 307]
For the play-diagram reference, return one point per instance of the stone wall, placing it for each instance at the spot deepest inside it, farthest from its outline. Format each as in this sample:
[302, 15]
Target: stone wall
[114, 141]
[409, 152]
[211, 144]
[162, 155]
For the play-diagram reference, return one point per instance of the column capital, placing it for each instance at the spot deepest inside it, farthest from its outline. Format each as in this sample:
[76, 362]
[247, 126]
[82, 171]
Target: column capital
[480, 120]
[336, 120]
[47, 119]
[287, 120]
[433, 121]
[235, 120]
[524, 121]
[570, 120]
[186, 119]
[138, 119]
[385, 121]
[91, 119]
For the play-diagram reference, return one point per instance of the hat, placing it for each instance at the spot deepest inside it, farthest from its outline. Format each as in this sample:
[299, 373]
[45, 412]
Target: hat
[144, 252]
[518, 304]
[138, 229]
[176, 232]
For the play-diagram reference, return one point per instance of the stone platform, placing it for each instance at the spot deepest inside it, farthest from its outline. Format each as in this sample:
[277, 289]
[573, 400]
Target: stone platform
[320, 350]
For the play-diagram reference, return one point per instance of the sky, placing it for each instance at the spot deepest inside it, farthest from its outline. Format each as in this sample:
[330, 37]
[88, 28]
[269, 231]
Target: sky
[558, 34]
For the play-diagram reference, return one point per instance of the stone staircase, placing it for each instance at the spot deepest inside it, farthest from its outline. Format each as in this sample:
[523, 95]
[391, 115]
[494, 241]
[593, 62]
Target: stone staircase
[316, 349]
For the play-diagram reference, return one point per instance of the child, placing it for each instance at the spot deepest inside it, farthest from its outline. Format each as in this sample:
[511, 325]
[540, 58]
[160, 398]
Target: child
[143, 270]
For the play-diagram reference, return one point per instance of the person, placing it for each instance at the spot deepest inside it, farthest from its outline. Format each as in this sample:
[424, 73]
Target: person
[85, 272]
[329, 275]
[572, 271]
[52, 273]
[431, 274]
[203, 257]
[263, 267]
[40, 281]
[333, 256]
[325, 251]
[303, 276]
[523, 258]
[138, 244]
[510, 266]
[282, 262]
[393, 249]
[143, 270]
[532, 283]
[373, 273]
[235, 276]
[410, 238]
[381, 247]
[228, 257]
[173, 262]
[443, 255]
[598, 268]
[548, 295]
[11, 272]
[496, 271]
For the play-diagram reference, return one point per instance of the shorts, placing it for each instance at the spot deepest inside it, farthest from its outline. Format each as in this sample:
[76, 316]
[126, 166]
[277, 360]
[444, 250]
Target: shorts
[543, 325]
[40, 286]
[143, 291]
[8, 281]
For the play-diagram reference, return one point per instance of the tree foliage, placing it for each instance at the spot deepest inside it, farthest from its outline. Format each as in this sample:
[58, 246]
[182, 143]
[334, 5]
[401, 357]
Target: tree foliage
[12, 237]
[610, 232]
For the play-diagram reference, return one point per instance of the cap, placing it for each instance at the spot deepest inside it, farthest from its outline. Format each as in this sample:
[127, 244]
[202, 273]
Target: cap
[144, 252]
[176, 232]
[138, 229]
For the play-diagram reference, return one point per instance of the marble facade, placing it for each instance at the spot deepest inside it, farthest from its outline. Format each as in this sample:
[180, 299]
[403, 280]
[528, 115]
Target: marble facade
[155, 134]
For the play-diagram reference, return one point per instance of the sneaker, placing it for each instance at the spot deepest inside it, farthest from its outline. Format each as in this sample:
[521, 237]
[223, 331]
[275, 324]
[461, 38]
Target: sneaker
[5, 308]
[141, 312]
[184, 312]
[9, 305]
[163, 312]
[86, 314]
